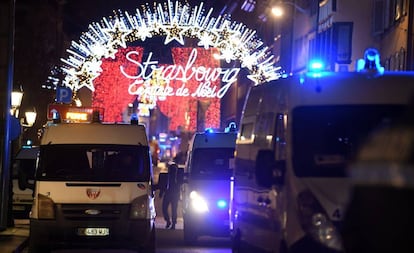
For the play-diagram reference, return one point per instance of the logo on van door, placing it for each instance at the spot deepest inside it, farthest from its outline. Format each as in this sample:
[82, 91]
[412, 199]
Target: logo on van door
[93, 193]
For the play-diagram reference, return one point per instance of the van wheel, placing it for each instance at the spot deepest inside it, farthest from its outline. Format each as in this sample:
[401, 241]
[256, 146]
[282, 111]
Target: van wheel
[38, 249]
[149, 247]
[236, 241]
[190, 237]
[35, 247]
[283, 247]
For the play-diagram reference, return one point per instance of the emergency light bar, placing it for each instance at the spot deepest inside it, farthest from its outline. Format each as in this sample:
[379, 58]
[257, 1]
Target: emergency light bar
[371, 62]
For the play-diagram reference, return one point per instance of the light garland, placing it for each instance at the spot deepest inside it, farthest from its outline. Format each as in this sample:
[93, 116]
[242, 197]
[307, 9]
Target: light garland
[175, 21]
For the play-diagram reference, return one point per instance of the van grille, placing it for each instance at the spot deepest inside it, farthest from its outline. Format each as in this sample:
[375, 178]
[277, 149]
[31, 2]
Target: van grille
[92, 212]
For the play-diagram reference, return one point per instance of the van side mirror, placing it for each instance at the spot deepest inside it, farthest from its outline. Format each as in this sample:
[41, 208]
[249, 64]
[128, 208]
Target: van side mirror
[269, 172]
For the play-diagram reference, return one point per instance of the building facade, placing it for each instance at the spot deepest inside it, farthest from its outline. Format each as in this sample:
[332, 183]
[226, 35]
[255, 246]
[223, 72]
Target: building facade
[339, 31]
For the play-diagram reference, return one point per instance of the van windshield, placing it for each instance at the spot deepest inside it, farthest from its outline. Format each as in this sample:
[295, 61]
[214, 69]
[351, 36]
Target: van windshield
[108, 163]
[212, 163]
[326, 138]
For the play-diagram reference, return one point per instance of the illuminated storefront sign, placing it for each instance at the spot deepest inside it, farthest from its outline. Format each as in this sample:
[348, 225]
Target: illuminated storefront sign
[71, 113]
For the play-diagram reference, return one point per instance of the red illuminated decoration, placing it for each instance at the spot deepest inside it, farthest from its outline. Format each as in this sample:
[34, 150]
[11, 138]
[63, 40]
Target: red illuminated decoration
[111, 86]
[182, 110]
[113, 94]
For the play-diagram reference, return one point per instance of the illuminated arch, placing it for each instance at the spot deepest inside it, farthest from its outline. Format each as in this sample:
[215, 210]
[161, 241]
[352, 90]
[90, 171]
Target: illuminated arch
[175, 21]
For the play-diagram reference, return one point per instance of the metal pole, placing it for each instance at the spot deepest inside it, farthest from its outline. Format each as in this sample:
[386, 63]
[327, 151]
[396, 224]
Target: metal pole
[5, 172]
[410, 44]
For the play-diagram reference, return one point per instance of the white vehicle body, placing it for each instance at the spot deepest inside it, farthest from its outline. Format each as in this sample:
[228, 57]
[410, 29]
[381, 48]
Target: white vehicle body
[93, 188]
[297, 135]
[207, 185]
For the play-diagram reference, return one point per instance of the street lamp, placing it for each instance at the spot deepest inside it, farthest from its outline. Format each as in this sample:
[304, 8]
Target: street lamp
[286, 28]
[16, 101]
[278, 10]
[30, 118]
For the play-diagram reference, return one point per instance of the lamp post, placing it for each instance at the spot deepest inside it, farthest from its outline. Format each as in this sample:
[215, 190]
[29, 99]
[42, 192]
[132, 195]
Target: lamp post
[287, 30]
[26, 123]
[313, 12]
[5, 151]
[278, 10]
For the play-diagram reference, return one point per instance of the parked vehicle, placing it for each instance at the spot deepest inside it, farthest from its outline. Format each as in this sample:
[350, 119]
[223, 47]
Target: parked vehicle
[379, 216]
[297, 137]
[207, 185]
[93, 188]
[24, 165]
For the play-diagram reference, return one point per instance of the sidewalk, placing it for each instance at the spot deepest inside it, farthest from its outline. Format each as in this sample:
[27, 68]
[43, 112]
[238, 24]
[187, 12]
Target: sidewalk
[14, 239]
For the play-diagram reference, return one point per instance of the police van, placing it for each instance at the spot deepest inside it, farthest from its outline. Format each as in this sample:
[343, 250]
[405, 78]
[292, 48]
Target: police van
[93, 188]
[297, 136]
[207, 185]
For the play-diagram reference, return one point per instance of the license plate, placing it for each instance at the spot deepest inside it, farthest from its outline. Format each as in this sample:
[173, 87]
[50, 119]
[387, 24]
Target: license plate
[18, 208]
[93, 231]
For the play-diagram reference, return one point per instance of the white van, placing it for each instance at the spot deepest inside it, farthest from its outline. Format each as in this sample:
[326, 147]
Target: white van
[297, 135]
[207, 185]
[93, 188]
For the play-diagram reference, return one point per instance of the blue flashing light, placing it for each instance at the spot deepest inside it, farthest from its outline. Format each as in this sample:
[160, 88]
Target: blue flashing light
[360, 65]
[231, 128]
[209, 130]
[134, 119]
[316, 66]
[221, 204]
[301, 80]
[134, 116]
[371, 62]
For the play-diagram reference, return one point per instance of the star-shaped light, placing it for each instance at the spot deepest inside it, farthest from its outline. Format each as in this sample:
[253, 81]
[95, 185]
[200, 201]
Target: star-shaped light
[110, 50]
[225, 33]
[175, 32]
[142, 33]
[86, 77]
[117, 33]
[249, 60]
[207, 39]
[258, 76]
[227, 54]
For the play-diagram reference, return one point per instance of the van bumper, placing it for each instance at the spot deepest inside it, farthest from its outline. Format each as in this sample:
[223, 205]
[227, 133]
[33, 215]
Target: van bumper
[307, 244]
[130, 234]
[207, 224]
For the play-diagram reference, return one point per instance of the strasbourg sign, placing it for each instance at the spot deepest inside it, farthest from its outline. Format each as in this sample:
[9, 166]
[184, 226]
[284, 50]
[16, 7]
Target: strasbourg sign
[204, 75]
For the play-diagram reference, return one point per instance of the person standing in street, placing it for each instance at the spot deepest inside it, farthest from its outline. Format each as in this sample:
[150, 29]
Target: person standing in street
[171, 195]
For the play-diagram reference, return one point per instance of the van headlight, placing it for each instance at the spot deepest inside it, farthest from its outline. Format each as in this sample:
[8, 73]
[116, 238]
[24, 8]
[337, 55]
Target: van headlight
[139, 208]
[198, 203]
[45, 207]
[316, 222]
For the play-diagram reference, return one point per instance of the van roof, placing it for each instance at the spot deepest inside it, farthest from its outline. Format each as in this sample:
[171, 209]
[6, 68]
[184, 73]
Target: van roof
[212, 140]
[95, 133]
